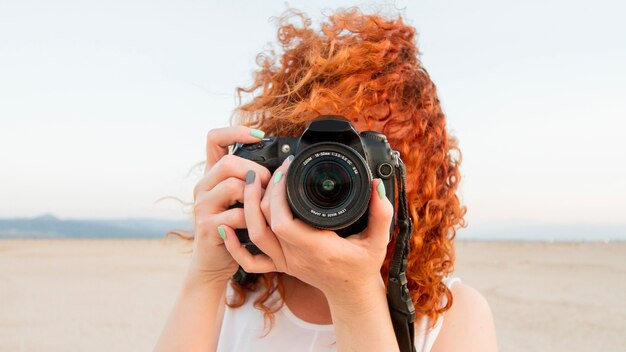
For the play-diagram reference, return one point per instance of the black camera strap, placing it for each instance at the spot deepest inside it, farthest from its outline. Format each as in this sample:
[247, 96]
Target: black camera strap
[400, 304]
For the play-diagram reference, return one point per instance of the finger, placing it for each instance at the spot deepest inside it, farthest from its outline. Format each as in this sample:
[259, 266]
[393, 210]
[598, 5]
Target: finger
[232, 166]
[206, 225]
[221, 197]
[265, 202]
[219, 139]
[260, 263]
[258, 231]
[283, 224]
[379, 216]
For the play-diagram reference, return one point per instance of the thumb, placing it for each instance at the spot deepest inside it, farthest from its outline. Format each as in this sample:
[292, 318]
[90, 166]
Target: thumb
[380, 215]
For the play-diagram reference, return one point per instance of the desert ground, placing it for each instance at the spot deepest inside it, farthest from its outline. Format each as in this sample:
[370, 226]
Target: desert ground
[115, 295]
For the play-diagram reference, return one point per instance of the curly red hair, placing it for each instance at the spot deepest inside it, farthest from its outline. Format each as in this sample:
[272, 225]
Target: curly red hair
[366, 68]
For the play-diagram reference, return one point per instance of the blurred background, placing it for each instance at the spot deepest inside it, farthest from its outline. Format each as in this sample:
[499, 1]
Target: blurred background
[105, 106]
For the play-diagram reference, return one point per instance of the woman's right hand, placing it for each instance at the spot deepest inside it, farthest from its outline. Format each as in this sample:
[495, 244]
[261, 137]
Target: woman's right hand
[221, 186]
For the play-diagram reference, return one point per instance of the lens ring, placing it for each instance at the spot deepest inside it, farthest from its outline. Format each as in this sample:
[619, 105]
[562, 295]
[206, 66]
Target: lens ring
[342, 208]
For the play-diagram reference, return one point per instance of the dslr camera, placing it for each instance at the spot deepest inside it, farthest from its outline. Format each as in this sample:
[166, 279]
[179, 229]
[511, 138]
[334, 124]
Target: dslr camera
[329, 179]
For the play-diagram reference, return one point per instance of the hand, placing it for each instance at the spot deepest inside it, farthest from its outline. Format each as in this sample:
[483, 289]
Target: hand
[321, 258]
[221, 186]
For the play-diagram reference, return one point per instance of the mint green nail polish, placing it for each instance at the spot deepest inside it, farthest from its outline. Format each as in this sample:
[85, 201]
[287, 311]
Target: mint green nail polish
[381, 189]
[221, 231]
[277, 177]
[257, 133]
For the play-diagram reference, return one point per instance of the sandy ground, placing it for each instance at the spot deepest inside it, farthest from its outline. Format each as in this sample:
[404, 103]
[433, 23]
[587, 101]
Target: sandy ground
[112, 295]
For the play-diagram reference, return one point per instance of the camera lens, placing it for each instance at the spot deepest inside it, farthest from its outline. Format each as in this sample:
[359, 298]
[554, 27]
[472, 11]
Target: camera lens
[328, 185]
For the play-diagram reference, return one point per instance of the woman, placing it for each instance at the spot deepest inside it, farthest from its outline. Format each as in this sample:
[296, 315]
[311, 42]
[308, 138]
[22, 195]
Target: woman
[318, 291]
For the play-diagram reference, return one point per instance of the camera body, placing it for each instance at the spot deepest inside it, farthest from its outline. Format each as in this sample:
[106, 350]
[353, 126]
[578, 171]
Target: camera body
[329, 179]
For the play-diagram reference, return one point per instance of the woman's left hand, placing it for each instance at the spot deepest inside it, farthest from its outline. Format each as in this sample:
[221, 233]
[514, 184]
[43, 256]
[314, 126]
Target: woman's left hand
[338, 266]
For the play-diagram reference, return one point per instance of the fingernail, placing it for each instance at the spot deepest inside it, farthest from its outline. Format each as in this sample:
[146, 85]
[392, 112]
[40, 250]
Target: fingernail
[381, 189]
[257, 133]
[277, 177]
[221, 231]
[288, 160]
[250, 177]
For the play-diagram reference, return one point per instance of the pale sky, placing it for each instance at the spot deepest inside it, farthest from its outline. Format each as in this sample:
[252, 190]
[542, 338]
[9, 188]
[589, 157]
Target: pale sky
[104, 105]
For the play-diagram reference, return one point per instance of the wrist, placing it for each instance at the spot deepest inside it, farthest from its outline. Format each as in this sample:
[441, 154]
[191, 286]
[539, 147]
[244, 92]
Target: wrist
[199, 281]
[354, 298]
[363, 312]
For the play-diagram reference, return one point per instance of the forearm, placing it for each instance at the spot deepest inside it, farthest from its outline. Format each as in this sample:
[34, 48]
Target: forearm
[192, 323]
[362, 321]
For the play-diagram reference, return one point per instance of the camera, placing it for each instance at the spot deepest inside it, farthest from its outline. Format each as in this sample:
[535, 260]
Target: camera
[329, 180]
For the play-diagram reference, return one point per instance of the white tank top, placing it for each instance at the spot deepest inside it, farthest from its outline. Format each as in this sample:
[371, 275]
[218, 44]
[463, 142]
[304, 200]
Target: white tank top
[242, 330]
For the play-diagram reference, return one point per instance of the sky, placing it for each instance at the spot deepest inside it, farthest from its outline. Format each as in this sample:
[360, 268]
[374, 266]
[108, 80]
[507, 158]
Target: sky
[105, 105]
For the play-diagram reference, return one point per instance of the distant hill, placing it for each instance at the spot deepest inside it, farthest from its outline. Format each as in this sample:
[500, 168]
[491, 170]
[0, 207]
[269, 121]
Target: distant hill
[49, 226]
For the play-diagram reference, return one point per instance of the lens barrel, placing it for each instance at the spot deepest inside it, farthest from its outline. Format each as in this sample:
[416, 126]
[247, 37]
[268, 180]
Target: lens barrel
[328, 185]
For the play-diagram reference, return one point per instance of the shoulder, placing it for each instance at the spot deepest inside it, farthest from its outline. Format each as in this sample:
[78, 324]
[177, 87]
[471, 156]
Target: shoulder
[468, 325]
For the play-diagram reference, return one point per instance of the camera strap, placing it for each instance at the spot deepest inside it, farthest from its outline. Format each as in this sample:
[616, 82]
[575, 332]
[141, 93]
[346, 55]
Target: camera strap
[400, 304]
